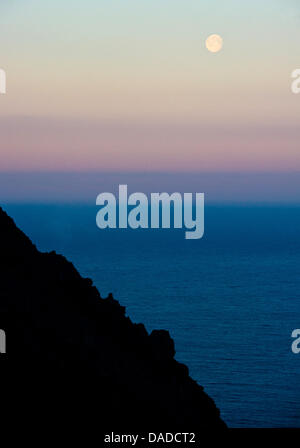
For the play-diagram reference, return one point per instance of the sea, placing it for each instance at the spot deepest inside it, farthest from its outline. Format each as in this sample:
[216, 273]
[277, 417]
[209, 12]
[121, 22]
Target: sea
[229, 300]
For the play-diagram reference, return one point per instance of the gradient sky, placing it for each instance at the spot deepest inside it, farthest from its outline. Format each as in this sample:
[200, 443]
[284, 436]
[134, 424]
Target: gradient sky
[128, 85]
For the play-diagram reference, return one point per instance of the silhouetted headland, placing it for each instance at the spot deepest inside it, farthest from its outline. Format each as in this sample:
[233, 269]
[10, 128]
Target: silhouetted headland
[70, 350]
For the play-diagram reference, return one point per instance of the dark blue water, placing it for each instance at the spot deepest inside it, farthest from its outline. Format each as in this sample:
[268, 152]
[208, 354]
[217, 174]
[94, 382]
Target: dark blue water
[230, 300]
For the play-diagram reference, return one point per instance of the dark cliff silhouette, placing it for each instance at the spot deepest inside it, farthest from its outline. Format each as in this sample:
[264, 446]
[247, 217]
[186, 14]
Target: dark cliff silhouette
[78, 355]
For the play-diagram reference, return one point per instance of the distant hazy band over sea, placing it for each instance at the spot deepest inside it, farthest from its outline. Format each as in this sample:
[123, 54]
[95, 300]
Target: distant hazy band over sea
[230, 300]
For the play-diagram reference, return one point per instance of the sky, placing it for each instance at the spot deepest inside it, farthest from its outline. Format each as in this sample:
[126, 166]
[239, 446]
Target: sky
[118, 85]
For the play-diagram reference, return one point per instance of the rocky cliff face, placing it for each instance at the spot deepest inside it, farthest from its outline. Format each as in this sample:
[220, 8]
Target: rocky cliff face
[70, 350]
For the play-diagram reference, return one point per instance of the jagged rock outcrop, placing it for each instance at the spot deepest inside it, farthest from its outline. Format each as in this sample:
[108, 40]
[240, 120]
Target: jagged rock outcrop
[70, 350]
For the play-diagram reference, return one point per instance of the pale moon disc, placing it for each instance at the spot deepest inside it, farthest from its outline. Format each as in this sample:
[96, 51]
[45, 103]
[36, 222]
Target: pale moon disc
[214, 43]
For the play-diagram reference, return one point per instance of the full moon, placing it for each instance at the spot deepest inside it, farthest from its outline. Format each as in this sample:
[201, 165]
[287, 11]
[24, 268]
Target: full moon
[214, 43]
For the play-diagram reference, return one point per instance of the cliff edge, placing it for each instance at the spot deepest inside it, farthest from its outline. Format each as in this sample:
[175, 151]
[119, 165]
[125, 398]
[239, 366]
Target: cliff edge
[71, 350]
